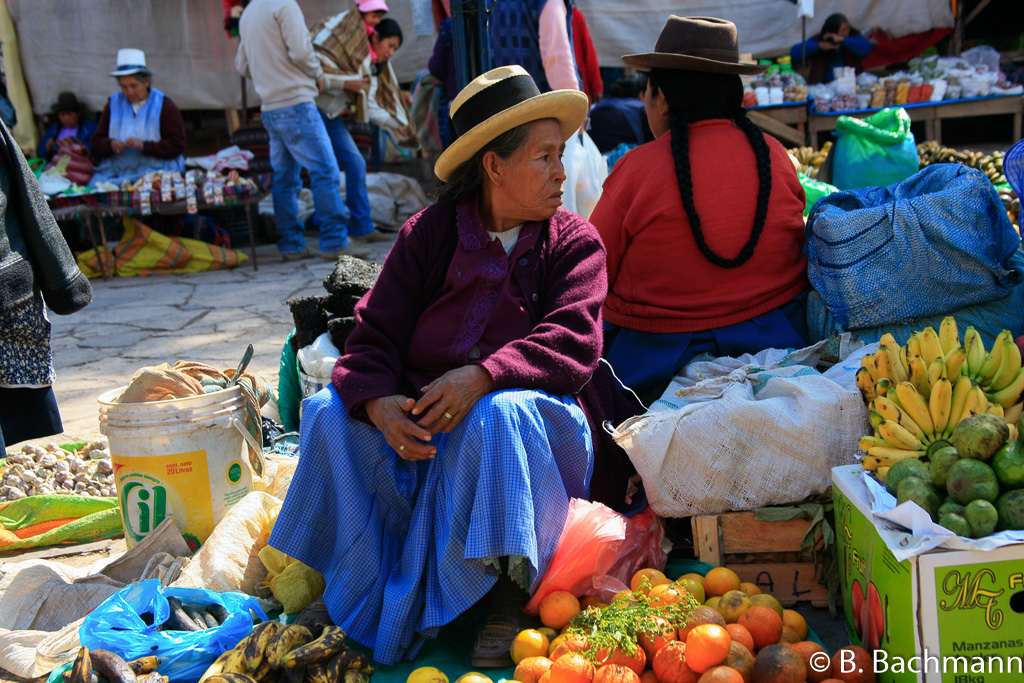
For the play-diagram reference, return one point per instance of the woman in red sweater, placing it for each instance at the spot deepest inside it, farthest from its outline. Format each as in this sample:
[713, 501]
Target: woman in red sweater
[703, 226]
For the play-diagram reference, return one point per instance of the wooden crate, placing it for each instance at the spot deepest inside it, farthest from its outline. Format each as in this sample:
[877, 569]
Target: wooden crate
[764, 553]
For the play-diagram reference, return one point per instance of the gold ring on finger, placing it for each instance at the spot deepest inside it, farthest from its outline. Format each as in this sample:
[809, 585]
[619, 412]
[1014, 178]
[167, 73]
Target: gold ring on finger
[448, 415]
[401, 448]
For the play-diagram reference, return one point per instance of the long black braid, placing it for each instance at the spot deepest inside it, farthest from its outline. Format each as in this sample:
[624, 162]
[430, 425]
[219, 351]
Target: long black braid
[695, 96]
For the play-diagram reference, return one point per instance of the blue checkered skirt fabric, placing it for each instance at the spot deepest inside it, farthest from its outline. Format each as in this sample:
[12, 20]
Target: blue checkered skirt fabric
[404, 546]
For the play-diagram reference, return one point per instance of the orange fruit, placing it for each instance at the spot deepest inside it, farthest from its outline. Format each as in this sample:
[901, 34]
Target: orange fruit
[741, 659]
[796, 621]
[473, 677]
[663, 634]
[699, 578]
[764, 624]
[749, 588]
[558, 608]
[670, 665]
[720, 581]
[653, 576]
[530, 670]
[692, 586]
[567, 642]
[733, 604]
[779, 664]
[713, 601]
[649, 677]
[720, 674]
[549, 632]
[626, 594]
[636, 661]
[616, 673]
[701, 615]
[546, 678]
[592, 601]
[807, 649]
[528, 643]
[861, 669]
[572, 668]
[666, 594]
[706, 646]
[767, 600]
[741, 635]
[789, 635]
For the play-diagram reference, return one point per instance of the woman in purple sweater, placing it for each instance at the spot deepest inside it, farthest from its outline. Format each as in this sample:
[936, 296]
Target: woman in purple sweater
[442, 459]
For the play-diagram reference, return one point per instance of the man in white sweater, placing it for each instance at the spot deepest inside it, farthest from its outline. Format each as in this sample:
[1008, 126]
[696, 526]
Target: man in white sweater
[276, 53]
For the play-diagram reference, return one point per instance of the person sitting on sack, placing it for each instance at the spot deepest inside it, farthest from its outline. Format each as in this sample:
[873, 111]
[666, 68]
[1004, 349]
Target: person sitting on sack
[140, 130]
[357, 82]
[70, 125]
[440, 462]
[704, 225]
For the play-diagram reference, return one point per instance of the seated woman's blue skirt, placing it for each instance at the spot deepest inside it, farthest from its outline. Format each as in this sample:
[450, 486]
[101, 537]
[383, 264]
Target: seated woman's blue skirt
[406, 547]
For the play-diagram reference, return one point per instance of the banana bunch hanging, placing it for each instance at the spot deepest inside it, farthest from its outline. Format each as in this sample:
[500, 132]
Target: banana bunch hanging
[920, 392]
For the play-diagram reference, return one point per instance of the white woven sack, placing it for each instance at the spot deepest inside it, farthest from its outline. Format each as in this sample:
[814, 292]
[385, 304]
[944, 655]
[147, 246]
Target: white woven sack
[747, 432]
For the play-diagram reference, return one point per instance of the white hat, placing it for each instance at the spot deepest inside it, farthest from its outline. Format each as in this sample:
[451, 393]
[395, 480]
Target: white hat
[130, 61]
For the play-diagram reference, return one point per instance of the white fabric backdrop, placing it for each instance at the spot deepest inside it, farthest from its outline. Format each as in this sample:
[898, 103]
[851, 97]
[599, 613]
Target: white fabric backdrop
[72, 44]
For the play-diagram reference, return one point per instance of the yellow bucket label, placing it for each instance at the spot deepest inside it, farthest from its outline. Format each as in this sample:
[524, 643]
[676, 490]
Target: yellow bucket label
[159, 487]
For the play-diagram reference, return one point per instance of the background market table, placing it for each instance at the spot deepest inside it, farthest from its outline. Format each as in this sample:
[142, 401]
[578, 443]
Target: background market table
[932, 114]
[787, 122]
[91, 208]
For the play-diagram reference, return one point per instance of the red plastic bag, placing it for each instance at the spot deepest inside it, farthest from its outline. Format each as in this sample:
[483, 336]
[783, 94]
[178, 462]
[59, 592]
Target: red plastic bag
[600, 549]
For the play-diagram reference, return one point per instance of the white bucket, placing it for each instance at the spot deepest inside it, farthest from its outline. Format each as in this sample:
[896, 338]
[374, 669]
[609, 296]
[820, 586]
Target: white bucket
[184, 459]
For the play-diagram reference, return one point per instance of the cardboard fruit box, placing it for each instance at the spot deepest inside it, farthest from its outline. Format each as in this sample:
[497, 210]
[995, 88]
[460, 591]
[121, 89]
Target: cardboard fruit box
[938, 617]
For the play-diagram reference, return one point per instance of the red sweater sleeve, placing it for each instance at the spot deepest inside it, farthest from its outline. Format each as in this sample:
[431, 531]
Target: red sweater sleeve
[586, 55]
[609, 220]
[562, 351]
[172, 134]
[101, 138]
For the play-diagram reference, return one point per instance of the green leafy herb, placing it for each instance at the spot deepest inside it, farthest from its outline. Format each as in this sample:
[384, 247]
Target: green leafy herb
[619, 626]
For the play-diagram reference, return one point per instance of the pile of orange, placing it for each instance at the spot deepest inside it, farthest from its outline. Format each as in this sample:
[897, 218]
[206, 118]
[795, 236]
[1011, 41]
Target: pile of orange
[738, 634]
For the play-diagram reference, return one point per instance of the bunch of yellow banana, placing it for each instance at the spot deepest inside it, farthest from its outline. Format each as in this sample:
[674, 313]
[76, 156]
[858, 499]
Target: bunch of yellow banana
[998, 372]
[920, 392]
[929, 356]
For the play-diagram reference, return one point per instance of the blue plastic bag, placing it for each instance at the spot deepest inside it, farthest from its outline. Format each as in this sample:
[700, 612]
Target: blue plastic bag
[935, 243]
[117, 625]
[876, 151]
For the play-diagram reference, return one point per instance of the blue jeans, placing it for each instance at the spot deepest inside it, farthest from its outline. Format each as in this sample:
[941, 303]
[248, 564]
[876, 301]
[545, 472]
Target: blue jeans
[354, 166]
[298, 140]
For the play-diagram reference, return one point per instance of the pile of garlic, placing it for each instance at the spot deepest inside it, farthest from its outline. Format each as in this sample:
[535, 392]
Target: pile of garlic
[37, 470]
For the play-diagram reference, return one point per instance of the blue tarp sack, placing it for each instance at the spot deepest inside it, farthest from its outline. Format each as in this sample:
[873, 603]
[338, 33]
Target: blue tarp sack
[127, 624]
[878, 150]
[989, 318]
[935, 243]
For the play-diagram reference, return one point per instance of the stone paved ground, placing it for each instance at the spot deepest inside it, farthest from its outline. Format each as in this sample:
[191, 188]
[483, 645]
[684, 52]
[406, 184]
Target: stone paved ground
[207, 317]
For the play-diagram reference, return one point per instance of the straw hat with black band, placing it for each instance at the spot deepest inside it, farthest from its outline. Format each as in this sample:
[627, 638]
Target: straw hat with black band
[500, 100]
[696, 44]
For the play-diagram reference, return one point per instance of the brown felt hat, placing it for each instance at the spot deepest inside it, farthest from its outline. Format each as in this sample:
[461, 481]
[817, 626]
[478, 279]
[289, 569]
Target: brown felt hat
[498, 101]
[696, 44]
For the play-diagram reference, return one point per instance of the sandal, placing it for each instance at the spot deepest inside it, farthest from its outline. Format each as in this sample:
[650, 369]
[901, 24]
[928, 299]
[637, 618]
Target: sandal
[505, 619]
[494, 641]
